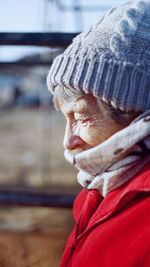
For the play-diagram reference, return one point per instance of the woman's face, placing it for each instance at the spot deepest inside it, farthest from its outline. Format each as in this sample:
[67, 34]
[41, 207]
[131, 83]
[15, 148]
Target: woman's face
[86, 126]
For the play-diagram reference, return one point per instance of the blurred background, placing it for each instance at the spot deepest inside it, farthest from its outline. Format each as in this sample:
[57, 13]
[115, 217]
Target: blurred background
[32, 165]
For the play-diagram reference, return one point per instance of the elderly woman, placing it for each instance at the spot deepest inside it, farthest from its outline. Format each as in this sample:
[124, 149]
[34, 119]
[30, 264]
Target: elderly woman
[101, 84]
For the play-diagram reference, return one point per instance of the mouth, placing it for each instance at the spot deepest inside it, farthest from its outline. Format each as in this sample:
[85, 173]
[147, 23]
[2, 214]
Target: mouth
[75, 151]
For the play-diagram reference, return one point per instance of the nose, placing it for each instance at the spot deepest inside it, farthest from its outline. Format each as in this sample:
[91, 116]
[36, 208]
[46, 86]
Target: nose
[71, 140]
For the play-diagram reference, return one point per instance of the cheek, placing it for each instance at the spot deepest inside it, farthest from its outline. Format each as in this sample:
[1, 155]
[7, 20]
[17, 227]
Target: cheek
[92, 135]
[96, 133]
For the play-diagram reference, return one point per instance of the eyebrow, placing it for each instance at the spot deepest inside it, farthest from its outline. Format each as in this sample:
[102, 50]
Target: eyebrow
[80, 108]
[75, 107]
[71, 111]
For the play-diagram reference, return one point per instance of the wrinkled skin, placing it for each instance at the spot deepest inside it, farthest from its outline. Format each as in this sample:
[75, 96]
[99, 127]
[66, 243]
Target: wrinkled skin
[86, 125]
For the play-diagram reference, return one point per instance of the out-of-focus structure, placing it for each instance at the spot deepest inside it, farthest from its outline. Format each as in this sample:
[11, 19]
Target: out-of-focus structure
[33, 172]
[22, 87]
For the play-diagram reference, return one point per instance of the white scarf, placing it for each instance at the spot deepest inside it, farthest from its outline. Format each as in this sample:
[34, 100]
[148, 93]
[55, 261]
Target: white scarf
[116, 160]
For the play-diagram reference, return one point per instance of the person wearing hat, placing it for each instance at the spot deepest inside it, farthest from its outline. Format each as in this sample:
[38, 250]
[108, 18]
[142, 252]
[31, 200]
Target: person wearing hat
[101, 83]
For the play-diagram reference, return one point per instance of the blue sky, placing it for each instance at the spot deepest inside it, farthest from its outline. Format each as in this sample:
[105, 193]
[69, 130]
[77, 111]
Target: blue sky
[42, 16]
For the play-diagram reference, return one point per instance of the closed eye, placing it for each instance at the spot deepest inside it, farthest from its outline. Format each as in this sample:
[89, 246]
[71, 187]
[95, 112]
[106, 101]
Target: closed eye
[84, 122]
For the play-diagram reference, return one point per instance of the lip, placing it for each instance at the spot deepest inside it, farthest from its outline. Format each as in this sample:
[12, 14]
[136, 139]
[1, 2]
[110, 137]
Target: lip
[75, 151]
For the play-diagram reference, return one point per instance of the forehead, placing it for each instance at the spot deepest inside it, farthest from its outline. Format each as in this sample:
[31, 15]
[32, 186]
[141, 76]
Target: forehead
[81, 105]
[65, 94]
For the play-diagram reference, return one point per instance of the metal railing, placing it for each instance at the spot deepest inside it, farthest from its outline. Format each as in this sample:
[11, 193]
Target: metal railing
[53, 39]
[32, 198]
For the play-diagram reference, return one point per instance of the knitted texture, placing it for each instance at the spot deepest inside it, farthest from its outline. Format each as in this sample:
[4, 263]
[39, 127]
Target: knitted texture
[110, 60]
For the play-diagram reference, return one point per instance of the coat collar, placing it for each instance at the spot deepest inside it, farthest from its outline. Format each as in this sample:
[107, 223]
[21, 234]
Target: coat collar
[96, 210]
[119, 197]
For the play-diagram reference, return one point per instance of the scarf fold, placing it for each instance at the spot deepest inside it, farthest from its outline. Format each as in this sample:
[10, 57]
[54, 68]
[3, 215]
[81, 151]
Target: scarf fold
[116, 160]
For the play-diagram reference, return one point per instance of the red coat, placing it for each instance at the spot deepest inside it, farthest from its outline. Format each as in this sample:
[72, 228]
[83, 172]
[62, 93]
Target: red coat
[114, 231]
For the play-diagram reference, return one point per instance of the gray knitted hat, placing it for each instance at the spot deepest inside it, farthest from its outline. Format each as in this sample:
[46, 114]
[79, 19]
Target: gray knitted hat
[110, 60]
